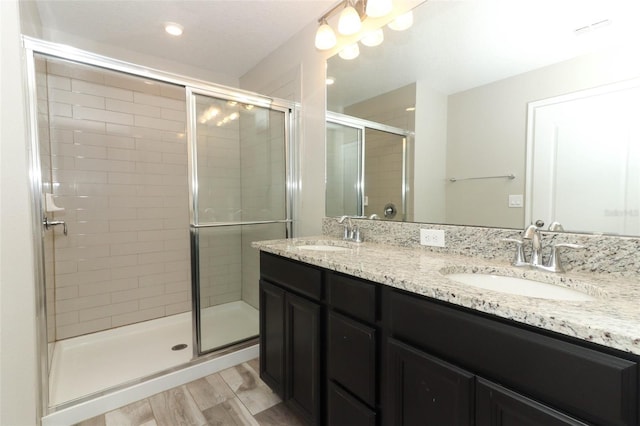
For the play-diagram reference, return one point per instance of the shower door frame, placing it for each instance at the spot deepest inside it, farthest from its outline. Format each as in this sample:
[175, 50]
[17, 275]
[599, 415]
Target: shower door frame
[195, 225]
[32, 47]
[362, 125]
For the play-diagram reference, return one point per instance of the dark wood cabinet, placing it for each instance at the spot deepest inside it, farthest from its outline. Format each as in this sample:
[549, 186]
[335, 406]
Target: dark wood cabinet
[424, 390]
[345, 351]
[302, 328]
[344, 410]
[498, 406]
[291, 335]
[272, 337]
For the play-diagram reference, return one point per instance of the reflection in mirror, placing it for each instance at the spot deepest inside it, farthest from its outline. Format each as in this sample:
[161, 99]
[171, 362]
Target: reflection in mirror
[473, 68]
[366, 173]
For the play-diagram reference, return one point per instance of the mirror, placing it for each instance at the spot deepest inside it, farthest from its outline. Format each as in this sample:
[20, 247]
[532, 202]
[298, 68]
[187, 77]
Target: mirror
[483, 75]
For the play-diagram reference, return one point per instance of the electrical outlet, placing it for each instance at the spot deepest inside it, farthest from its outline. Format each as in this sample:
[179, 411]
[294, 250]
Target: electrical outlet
[432, 237]
[515, 201]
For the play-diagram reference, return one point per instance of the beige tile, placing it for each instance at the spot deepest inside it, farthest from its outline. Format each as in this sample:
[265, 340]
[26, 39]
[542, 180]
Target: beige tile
[210, 391]
[66, 331]
[72, 98]
[228, 413]
[176, 407]
[108, 310]
[133, 108]
[252, 391]
[159, 101]
[165, 299]
[101, 90]
[138, 316]
[136, 414]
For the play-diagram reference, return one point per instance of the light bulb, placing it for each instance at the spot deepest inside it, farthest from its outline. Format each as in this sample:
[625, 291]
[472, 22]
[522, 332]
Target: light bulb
[402, 22]
[173, 28]
[350, 51]
[373, 38]
[325, 37]
[349, 22]
[378, 8]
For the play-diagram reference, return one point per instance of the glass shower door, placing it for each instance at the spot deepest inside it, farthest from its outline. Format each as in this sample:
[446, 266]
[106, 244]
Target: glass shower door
[239, 187]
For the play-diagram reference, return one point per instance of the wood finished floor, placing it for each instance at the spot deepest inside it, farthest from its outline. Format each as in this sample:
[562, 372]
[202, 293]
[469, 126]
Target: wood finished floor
[235, 396]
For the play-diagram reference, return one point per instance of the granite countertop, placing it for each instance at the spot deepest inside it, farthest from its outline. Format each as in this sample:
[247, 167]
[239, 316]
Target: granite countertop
[611, 319]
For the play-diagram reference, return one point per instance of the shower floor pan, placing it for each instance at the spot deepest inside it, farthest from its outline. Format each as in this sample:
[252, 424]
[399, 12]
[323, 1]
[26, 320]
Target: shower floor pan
[94, 362]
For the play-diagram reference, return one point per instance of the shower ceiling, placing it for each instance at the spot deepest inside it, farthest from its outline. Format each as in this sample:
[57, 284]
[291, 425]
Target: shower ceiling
[229, 37]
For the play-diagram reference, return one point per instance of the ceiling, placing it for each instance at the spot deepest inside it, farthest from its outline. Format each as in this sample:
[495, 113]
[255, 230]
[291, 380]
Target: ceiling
[457, 45]
[226, 36]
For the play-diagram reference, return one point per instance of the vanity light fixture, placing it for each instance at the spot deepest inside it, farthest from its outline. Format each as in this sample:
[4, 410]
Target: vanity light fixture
[350, 51]
[325, 37]
[349, 22]
[402, 22]
[378, 8]
[373, 38]
[173, 28]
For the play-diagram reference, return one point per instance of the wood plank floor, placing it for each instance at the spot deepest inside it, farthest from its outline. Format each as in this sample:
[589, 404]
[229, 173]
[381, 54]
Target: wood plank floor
[235, 396]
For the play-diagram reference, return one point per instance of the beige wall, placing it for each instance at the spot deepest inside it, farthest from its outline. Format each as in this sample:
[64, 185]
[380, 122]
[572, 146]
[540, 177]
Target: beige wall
[487, 132]
[18, 360]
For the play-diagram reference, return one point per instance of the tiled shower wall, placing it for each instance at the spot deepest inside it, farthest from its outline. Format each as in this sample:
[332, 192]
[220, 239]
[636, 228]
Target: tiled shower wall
[241, 174]
[119, 168]
[218, 201]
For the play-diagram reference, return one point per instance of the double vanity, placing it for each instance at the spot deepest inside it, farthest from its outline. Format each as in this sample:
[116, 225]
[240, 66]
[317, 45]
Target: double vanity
[378, 334]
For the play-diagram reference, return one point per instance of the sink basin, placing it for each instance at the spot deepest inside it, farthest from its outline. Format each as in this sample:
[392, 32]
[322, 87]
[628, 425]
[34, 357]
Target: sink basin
[322, 247]
[519, 286]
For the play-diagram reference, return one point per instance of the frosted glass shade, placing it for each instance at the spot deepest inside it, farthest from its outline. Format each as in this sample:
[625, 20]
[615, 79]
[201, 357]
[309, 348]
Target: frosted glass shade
[378, 8]
[373, 38]
[325, 37]
[402, 22]
[349, 22]
[350, 51]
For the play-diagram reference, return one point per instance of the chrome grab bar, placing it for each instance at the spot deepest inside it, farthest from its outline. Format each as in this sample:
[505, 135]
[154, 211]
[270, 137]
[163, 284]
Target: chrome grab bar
[51, 223]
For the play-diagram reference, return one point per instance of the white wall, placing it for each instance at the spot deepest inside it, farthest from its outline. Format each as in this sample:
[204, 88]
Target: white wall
[18, 360]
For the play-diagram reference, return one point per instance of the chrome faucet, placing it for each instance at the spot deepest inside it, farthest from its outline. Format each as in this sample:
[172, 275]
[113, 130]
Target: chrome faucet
[532, 233]
[351, 231]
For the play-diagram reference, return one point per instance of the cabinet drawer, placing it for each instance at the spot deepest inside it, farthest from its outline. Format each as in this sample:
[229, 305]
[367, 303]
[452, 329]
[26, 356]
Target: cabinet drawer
[296, 276]
[352, 356]
[592, 385]
[352, 296]
[344, 410]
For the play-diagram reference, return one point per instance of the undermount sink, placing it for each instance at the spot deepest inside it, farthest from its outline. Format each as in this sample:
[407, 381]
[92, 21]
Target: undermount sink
[322, 247]
[519, 286]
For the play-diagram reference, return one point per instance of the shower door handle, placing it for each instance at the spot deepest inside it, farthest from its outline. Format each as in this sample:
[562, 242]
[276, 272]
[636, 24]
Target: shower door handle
[50, 223]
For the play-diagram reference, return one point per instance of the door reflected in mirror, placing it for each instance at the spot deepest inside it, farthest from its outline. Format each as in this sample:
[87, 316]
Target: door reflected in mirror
[472, 69]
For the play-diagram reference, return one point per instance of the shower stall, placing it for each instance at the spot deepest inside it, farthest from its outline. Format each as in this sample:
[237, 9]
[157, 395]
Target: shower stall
[151, 188]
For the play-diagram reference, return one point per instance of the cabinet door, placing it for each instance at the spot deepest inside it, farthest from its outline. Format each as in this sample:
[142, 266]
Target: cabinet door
[424, 390]
[344, 410]
[272, 337]
[497, 406]
[351, 352]
[303, 356]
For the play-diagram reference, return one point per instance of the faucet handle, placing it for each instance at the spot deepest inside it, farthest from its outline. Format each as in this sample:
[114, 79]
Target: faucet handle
[519, 258]
[356, 234]
[555, 264]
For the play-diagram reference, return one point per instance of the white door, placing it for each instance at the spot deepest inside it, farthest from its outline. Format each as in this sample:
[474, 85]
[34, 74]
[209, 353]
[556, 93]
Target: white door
[585, 160]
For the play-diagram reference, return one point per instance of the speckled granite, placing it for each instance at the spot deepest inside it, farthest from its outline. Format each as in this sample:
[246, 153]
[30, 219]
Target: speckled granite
[619, 256]
[612, 319]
